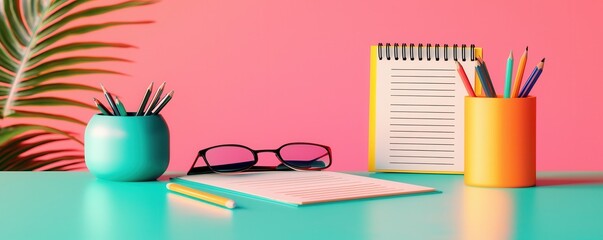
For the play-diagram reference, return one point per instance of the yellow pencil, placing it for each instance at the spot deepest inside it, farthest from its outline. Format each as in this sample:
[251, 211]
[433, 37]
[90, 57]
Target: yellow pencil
[520, 68]
[208, 197]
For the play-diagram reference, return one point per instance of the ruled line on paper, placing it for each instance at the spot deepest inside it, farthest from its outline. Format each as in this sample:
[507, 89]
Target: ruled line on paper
[328, 189]
[422, 118]
[422, 89]
[403, 111]
[429, 144]
[415, 95]
[424, 125]
[424, 69]
[414, 131]
[422, 163]
[422, 105]
[411, 156]
[451, 138]
[423, 150]
[421, 76]
[342, 194]
[441, 83]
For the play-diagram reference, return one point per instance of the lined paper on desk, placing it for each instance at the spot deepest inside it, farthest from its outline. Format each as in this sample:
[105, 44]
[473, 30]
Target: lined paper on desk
[419, 113]
[305, 187]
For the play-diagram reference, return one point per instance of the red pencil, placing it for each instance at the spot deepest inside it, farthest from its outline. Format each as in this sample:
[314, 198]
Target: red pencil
[466, 82]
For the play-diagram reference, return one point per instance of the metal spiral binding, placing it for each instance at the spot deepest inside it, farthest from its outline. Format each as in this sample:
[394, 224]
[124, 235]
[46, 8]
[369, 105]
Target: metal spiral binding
[407, 51]
[412, 55]
[387, 45]
[437, 52]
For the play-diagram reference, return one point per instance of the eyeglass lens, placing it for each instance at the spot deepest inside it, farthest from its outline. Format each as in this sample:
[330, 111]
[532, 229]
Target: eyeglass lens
[230, 158]
[305, 156]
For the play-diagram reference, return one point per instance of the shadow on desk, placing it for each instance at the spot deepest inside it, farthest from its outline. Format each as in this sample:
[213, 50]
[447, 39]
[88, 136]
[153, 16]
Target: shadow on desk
[570, 179]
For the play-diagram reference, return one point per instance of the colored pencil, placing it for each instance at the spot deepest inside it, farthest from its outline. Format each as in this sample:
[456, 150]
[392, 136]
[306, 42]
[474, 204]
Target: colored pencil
[487, 75]
[110, 101]
[163, 102]
[101, 107]
[539, 68]
[482, 78]
[155, 100]
[519, 76]
[461, 71]
[527, 82]
[120, 107]
[145, 99]
[508, 75]
[205, 196]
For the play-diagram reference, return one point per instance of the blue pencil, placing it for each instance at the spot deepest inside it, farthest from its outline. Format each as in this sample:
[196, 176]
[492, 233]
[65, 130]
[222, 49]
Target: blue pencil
[487, 75]
[483, 80]
[528, 81]
[540, 67]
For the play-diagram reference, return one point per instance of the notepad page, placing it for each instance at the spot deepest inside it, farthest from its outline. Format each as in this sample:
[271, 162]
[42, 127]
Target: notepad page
[419, 114]
[306, 187]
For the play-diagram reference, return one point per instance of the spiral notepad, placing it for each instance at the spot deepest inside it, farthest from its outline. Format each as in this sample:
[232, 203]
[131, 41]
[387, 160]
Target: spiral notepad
[416, 113]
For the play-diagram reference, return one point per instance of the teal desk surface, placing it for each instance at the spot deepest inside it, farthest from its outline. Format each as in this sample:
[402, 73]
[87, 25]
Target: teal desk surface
[75, 205]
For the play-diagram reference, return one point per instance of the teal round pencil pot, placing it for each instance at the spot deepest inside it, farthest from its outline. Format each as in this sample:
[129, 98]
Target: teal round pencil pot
[127, 148]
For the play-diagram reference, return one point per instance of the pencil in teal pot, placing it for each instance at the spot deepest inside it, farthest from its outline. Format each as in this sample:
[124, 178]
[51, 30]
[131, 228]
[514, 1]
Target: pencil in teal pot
[508, 77]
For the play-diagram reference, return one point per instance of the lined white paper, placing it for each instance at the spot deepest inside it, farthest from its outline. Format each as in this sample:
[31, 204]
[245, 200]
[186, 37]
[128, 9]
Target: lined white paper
[306, 187]
[419, 113]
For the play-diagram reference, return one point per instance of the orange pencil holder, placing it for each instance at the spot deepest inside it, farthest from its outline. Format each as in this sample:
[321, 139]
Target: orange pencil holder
[500, 142]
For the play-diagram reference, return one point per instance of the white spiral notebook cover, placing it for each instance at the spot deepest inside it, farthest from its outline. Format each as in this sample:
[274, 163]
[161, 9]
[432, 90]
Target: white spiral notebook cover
[304, 187]
[417, 107]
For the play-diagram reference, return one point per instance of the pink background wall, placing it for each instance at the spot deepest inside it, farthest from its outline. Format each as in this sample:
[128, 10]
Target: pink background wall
[263, 73]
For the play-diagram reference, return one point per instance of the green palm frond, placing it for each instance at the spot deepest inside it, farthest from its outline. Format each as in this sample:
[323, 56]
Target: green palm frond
[33, 64]
[9, 132]
[28, 34]
[16, 153]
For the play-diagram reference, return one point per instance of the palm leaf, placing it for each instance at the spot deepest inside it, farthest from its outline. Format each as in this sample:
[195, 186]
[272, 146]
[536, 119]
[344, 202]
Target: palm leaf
[15, 155]
[52, 101]
[87, 13]
[80, 30]
[75, 47]
[9, 132]
[68, 61]
[65, 166]
[64, 73]
[38, 89]
[31, 114]
[36, 164]
[31, 32]
[8, 40]
[17, 150]
[11, 144]
[14, 19]
[28, 32]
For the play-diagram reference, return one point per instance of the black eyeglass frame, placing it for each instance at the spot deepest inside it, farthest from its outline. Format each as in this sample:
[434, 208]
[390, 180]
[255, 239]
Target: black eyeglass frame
[209, 169]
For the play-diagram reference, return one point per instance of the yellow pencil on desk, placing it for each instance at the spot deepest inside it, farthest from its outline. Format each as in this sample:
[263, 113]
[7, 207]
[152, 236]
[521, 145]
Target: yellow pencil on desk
[208, 197]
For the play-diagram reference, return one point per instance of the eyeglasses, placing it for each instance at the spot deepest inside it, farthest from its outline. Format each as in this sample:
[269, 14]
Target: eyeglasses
[236, 158]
